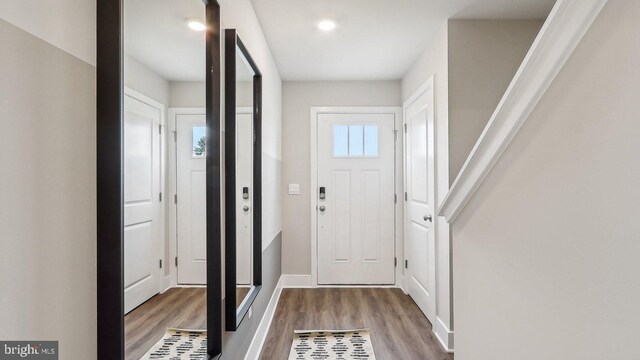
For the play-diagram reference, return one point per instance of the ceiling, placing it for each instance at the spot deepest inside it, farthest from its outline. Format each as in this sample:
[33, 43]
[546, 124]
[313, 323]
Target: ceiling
[156, 34]
[374, 39]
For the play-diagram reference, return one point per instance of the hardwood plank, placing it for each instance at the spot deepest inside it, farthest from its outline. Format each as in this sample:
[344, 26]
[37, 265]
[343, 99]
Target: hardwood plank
[399, 330]
[184, 308]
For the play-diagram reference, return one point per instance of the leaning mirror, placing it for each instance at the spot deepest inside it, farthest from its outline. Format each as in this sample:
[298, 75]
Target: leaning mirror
[243, 200]
[171, 59]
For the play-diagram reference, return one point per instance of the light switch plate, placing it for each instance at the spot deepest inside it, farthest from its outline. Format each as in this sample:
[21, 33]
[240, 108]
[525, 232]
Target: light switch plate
[294, 189]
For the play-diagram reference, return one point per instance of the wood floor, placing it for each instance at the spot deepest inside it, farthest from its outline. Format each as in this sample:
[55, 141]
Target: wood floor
[184, 308]
[399, 330]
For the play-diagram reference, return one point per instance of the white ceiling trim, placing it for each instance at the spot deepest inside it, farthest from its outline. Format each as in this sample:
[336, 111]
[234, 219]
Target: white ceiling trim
[565, 26]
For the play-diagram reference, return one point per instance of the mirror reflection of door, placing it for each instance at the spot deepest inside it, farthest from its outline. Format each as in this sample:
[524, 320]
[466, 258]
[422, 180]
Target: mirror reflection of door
[191, 206]
[244, 178]
[165, 175]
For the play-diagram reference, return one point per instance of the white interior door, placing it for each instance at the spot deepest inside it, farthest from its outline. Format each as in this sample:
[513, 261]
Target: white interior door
[356, 212]
[419, 209]
[142, 221]
[191, 198]
[244, 204]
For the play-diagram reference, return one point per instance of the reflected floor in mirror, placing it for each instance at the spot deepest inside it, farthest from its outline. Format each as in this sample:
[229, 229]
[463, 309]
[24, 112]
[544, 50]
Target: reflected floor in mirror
[183, 308]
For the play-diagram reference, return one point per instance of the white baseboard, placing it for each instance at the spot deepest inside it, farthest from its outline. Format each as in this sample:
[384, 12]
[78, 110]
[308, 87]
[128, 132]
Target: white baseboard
[166, 284]
[296, 281]
[402, 285]
[255, 348]
[444, 335]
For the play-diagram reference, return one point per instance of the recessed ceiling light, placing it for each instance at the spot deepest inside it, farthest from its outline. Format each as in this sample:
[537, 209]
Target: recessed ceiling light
[196, 25]
[327, 25]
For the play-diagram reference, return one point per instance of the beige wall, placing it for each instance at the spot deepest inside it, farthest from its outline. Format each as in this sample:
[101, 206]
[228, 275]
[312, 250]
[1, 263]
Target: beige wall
[48, 192]
[483, 57]
[547, 252]
[297, 99]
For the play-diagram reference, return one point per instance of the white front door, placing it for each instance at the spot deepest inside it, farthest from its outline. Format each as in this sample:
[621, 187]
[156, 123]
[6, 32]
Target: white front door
[244, 183]
[355, 192]
[142, 221]
[419, 210]
[191, 197]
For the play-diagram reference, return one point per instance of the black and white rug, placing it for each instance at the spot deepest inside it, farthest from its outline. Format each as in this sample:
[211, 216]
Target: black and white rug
[177, 344]
[332, 345]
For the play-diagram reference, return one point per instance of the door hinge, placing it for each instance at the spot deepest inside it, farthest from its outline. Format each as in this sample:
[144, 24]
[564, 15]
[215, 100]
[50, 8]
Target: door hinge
[160, 129]
[395, 198]
[176, 261]
[395, 262]
[406, 264]
[175, 136]
[160, 263]
[175, 198]
[405, 128]
[160, 196]
[395, 135]
[405, 196]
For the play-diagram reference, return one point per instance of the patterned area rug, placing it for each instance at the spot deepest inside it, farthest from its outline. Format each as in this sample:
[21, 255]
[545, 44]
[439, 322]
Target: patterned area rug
[177, 344]
[332, 345]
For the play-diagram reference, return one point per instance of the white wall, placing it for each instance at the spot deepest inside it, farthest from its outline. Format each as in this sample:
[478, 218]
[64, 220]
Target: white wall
[434, 62]
[297, 99]
[66, 24]
[547, 252]
[239, 14]
[144, 80]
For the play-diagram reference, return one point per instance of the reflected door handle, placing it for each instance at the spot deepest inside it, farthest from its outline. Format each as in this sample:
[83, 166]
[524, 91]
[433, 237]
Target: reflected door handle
[322, 208]
[245, 208]
[428, 218]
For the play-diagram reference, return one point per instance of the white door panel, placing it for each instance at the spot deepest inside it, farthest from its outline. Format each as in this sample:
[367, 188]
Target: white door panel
[142, 222]
[244, 178]
[356, 228]
[420, 209]
[191, 191]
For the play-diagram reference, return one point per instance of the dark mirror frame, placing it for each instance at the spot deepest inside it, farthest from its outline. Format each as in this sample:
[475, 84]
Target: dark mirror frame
[110, 175]
[233, 315]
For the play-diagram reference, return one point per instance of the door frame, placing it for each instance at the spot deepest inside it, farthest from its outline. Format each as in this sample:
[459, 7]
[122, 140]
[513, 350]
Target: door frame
[162, 157]
[398, 185]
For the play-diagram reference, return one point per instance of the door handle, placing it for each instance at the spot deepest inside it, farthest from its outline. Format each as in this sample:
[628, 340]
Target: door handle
[245, 208]
[428, 218]
[322, 208]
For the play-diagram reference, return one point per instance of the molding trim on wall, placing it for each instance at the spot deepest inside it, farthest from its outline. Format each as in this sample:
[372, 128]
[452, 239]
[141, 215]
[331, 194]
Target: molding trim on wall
[255, 348]
[444, 335]
[565, 26]
[296, 281]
